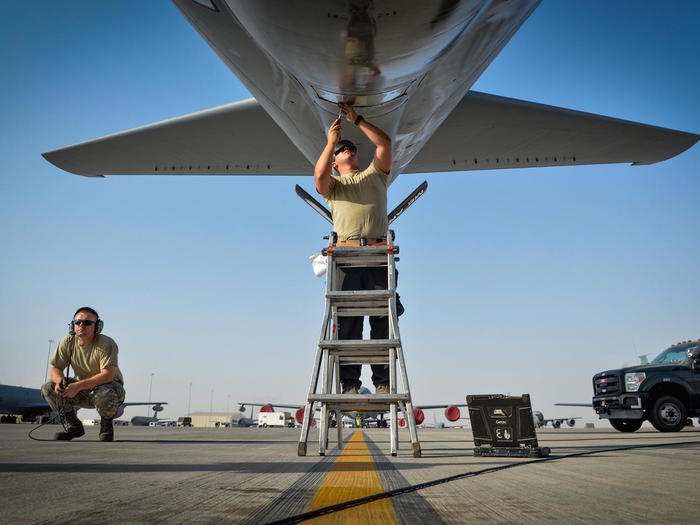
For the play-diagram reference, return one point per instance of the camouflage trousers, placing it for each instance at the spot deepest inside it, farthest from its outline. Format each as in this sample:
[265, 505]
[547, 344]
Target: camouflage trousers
[105, 398]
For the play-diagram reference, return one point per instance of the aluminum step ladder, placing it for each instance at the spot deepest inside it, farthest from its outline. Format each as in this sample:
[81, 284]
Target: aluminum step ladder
[331, 352]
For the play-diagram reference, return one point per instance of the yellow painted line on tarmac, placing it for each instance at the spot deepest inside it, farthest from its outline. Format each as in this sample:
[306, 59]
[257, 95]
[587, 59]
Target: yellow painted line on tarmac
[353, 476]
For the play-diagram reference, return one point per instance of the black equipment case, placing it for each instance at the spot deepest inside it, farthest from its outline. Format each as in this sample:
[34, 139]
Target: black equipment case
[503, 426]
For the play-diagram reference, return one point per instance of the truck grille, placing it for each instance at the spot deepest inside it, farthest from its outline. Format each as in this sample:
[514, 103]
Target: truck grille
[606, 385]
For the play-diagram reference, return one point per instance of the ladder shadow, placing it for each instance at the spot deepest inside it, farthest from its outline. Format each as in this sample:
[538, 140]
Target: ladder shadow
[285, 467]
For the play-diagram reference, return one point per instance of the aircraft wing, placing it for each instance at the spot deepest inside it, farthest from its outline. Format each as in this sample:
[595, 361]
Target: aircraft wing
[491, 132]
[234, 139]
[143, 403]
[429, 407]
[483, 132]
[273, 404]
[35, 406]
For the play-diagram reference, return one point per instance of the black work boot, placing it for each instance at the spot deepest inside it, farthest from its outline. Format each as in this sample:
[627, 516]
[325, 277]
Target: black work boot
[74, 428]
[106, 430]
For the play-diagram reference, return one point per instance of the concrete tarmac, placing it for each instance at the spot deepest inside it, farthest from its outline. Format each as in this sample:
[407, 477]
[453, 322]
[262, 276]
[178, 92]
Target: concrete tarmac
[254, 475]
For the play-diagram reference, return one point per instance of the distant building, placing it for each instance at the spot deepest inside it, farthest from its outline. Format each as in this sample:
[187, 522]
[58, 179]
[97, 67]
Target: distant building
[210, 419]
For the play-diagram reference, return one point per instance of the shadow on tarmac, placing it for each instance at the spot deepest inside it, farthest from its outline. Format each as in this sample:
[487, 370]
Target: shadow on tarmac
[208, 441]
[238, 467]
[285, 467]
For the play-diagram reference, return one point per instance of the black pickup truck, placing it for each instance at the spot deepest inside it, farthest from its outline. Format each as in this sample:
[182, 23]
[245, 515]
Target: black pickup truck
[666, 391]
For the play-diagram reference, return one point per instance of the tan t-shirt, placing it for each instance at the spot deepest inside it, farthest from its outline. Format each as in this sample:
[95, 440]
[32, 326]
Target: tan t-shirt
[358, 203]
[89, 361]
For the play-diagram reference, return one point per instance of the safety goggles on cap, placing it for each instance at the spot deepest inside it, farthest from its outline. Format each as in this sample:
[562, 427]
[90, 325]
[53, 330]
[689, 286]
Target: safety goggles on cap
[343, 145]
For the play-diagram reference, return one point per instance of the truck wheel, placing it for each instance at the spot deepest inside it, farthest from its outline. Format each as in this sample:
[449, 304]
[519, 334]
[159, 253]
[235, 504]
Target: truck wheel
[626, 425]
[668, 414]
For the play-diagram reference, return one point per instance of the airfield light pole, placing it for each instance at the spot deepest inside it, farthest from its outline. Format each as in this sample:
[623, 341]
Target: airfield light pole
[150, 388]
[48, 358]
[189, 398]
[211, 400]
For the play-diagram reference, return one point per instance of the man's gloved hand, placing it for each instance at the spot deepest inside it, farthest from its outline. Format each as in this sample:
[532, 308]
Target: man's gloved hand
[71, 390]
[334, 132]
[348, 111]
[58, 387]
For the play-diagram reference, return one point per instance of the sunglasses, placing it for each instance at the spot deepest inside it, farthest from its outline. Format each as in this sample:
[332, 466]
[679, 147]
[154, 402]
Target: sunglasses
[348, 148]
[86, 322]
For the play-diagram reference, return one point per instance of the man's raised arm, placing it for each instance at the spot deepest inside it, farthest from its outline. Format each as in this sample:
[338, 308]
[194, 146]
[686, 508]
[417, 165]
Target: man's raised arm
[322, 170]
[382, 155]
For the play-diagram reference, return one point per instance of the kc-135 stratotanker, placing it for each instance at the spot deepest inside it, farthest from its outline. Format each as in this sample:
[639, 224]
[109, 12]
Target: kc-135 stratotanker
[407, 66]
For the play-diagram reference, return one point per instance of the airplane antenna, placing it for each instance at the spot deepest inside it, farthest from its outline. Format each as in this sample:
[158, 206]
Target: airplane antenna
[150, 387]
[48, 358]
[317, 206]
[189, 399]
[404, 204]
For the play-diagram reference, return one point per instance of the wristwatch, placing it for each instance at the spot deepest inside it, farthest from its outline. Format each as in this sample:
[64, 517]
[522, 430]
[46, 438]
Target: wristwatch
[359, 119]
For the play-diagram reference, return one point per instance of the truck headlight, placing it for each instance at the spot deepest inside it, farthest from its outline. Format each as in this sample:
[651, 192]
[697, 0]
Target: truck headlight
[633, 380]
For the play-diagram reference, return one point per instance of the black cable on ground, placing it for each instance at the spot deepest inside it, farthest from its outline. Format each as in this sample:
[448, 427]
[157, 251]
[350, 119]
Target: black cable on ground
[420, 486]
[50, 421]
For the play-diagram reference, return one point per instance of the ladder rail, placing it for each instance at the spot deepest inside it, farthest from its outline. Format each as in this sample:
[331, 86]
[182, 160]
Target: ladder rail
[309, 406]
[394, 440]
[338, 413]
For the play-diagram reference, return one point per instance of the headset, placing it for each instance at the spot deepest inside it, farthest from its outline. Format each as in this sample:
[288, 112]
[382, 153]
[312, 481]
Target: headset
[99, 324]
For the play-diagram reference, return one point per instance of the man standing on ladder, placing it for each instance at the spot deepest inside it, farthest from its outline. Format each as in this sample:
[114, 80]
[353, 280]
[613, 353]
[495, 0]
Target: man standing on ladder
[358, 202]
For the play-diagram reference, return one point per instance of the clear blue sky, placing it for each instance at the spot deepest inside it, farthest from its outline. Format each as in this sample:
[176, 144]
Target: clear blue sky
[523, 280]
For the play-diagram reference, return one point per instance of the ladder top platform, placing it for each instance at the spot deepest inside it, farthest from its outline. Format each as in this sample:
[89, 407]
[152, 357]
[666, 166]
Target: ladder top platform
[373, 344]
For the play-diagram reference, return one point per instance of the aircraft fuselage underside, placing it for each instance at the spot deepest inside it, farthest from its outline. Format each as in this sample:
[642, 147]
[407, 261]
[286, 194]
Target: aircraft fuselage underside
[404, 65]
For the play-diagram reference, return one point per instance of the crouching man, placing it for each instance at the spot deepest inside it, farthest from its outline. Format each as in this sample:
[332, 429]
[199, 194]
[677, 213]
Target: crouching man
[98, 383]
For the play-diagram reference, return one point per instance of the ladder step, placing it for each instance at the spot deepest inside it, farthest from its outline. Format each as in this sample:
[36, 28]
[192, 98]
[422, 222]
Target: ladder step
[359, 251]
[364, 360]
[374, 260]
[372, 408]
[352, 311]
[360, 352]
[360, 295]
[357, 399]
[374, 344]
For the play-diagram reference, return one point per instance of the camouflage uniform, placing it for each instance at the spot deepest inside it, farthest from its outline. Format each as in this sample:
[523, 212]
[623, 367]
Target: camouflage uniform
[105, 398]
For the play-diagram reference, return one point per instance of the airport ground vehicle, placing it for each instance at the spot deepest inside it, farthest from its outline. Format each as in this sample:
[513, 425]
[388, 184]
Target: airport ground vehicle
[666, 391]
[275, 419]
[185, 421]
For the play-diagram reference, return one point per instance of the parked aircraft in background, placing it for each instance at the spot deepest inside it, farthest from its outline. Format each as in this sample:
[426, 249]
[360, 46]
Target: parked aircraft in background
[452, 412]
[30, 405]
[143, 421]
[541, 421]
